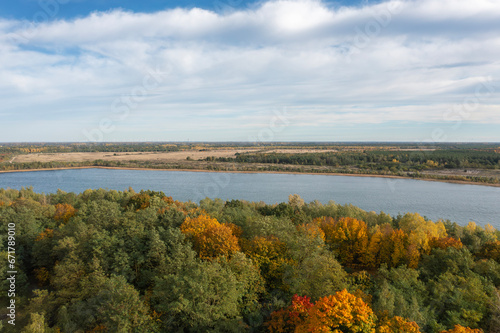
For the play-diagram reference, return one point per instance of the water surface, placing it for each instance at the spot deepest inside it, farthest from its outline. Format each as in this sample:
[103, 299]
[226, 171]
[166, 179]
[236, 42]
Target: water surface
[457, 202]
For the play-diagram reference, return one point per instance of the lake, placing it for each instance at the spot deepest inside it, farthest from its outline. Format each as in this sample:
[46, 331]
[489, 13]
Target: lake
[457, 202]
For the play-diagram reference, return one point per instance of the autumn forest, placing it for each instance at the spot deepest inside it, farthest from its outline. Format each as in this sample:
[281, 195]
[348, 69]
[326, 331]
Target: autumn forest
[110, 261]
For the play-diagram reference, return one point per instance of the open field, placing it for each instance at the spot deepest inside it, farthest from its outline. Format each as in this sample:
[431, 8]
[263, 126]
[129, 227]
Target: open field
[122, 156]
[174, 156]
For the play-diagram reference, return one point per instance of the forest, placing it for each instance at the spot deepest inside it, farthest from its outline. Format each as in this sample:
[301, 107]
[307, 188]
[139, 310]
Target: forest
[126, 261]
[385, 159]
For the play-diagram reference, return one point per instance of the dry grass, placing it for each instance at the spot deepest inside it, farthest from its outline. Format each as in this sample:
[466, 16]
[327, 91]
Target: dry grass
[149, 156]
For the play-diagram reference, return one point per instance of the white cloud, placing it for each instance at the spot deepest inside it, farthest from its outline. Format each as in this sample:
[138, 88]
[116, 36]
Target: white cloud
[392, 61]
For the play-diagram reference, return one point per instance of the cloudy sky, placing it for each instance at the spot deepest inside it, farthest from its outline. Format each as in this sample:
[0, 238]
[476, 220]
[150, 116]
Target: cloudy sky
[233, 70]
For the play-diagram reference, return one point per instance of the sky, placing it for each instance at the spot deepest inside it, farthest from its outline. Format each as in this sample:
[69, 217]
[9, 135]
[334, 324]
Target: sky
[233, 70]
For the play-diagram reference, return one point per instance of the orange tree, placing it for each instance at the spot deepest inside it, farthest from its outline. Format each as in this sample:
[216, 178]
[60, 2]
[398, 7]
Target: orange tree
[312, 230]
[445, 242]
[64, 212]
[210, 238]
[461, 329]
[287, 319]
[342, 313]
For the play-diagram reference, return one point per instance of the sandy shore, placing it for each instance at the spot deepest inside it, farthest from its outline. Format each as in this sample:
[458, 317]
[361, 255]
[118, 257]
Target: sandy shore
[271, 172]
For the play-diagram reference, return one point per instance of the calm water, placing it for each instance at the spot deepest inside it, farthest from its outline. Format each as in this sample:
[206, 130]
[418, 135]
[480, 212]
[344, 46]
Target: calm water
[459, 203]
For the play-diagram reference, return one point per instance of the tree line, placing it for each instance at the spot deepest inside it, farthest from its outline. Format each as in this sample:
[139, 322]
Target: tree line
[382, 159]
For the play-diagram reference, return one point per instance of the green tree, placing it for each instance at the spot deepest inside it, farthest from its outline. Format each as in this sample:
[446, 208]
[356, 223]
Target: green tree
[198, 296]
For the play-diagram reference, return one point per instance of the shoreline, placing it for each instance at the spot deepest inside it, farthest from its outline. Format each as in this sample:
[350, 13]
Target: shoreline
[462, 182]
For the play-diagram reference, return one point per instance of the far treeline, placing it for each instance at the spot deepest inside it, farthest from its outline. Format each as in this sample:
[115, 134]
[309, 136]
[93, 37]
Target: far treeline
[383, 159]
[111, 261]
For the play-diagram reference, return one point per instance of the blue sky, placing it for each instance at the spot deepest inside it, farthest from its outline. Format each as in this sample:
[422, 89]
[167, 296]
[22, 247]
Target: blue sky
[233, 70]
[70, 9]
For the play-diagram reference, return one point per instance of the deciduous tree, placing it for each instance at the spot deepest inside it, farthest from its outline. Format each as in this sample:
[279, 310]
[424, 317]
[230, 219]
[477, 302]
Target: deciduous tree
[348, 237]
[341, 312]
[64, 212]
[461, 329]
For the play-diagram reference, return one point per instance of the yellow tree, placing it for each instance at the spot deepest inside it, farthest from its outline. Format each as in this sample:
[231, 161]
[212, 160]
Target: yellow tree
[372, 258]
[193, 226]
[348, 237]
[391, 246]
[270, 255]
[412, 255]
[398, 241]
[210, 238]
[216, 241]
[461, 329]
[421, 231]
[385, 250]
[397, 325]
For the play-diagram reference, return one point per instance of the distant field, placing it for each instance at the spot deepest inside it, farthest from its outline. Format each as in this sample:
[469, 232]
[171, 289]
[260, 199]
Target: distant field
[174, 156]
[128, 156]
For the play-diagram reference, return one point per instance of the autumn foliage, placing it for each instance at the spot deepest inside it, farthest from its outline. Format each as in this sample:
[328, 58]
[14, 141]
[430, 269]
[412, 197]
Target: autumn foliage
[269, 254]
[358, 246]
[341, 312]
[461, 329]
[210, 238]
[139, 201]
[47, 233]
[397, 324]
[64, 212]
[312, 230]
[288, 319]
[491, 250]
[42, 275]
[346, 236]
[445, 242]
[194, 226]
[127, 262]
